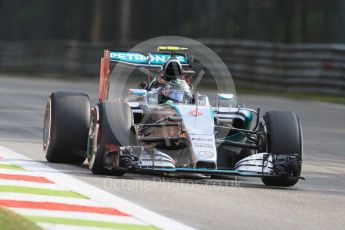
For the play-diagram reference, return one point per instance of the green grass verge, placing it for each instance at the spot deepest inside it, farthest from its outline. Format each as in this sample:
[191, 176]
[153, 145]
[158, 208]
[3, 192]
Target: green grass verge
[90, 223]
[294, 95]
[12, 221]
[10, 166]
[40, 191]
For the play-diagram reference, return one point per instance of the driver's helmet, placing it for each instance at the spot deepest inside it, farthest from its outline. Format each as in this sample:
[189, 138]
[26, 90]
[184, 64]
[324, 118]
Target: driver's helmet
[171, 70]
[178, 91]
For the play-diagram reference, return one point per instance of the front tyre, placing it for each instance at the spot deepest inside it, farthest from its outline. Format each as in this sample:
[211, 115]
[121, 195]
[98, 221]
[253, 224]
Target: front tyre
[111, 127]
[284, 141]
[66, 124]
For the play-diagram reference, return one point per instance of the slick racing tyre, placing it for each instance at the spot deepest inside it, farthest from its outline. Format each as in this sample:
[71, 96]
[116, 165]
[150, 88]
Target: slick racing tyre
[111, 127]
[66, 125]
[284, 141]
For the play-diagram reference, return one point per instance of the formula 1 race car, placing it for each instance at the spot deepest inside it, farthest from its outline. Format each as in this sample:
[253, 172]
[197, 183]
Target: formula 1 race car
[164, 127]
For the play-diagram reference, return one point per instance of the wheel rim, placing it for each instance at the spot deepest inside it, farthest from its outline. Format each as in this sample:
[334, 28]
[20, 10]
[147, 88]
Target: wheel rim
[263, 128]
[47, 126]
[94, 145]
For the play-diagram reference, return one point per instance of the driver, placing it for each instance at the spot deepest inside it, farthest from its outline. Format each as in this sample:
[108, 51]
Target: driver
[170, 84]
[171, 70]
[176, 91]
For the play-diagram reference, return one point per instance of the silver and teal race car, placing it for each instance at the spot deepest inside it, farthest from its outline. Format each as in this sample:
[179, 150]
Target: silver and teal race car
[164, 127]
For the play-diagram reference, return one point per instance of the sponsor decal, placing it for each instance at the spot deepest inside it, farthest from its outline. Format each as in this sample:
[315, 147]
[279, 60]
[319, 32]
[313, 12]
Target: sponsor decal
[201, 142]
[203, 146]
[195, 113]
[201, 139]
[138, 58]
[205, 154]
[128, 57]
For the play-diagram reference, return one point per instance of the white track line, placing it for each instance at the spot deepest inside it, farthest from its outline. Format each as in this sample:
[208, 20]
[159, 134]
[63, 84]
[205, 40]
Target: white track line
[19, 172]
[96, 194]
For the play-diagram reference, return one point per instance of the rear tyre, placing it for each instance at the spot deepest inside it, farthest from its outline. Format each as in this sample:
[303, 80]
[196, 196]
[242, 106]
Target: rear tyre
[111, 127]
[284, 142]
[66, 124]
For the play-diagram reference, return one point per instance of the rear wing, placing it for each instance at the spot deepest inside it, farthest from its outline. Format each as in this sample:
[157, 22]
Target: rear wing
[155, 60]
[147, 60]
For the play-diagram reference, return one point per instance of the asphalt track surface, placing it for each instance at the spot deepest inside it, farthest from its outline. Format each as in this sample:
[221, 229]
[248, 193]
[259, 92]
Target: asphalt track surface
[316, 203]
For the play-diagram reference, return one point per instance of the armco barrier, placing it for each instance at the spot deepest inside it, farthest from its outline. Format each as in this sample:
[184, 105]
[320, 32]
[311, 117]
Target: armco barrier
[318, 68]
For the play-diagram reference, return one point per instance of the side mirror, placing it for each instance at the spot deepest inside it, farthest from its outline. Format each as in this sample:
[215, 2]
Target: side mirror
[225, 97]
[224, 102]
[143, 85]
[138, 92]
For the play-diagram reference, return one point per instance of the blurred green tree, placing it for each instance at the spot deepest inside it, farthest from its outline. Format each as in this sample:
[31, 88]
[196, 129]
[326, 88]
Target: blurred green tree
[123, 20]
